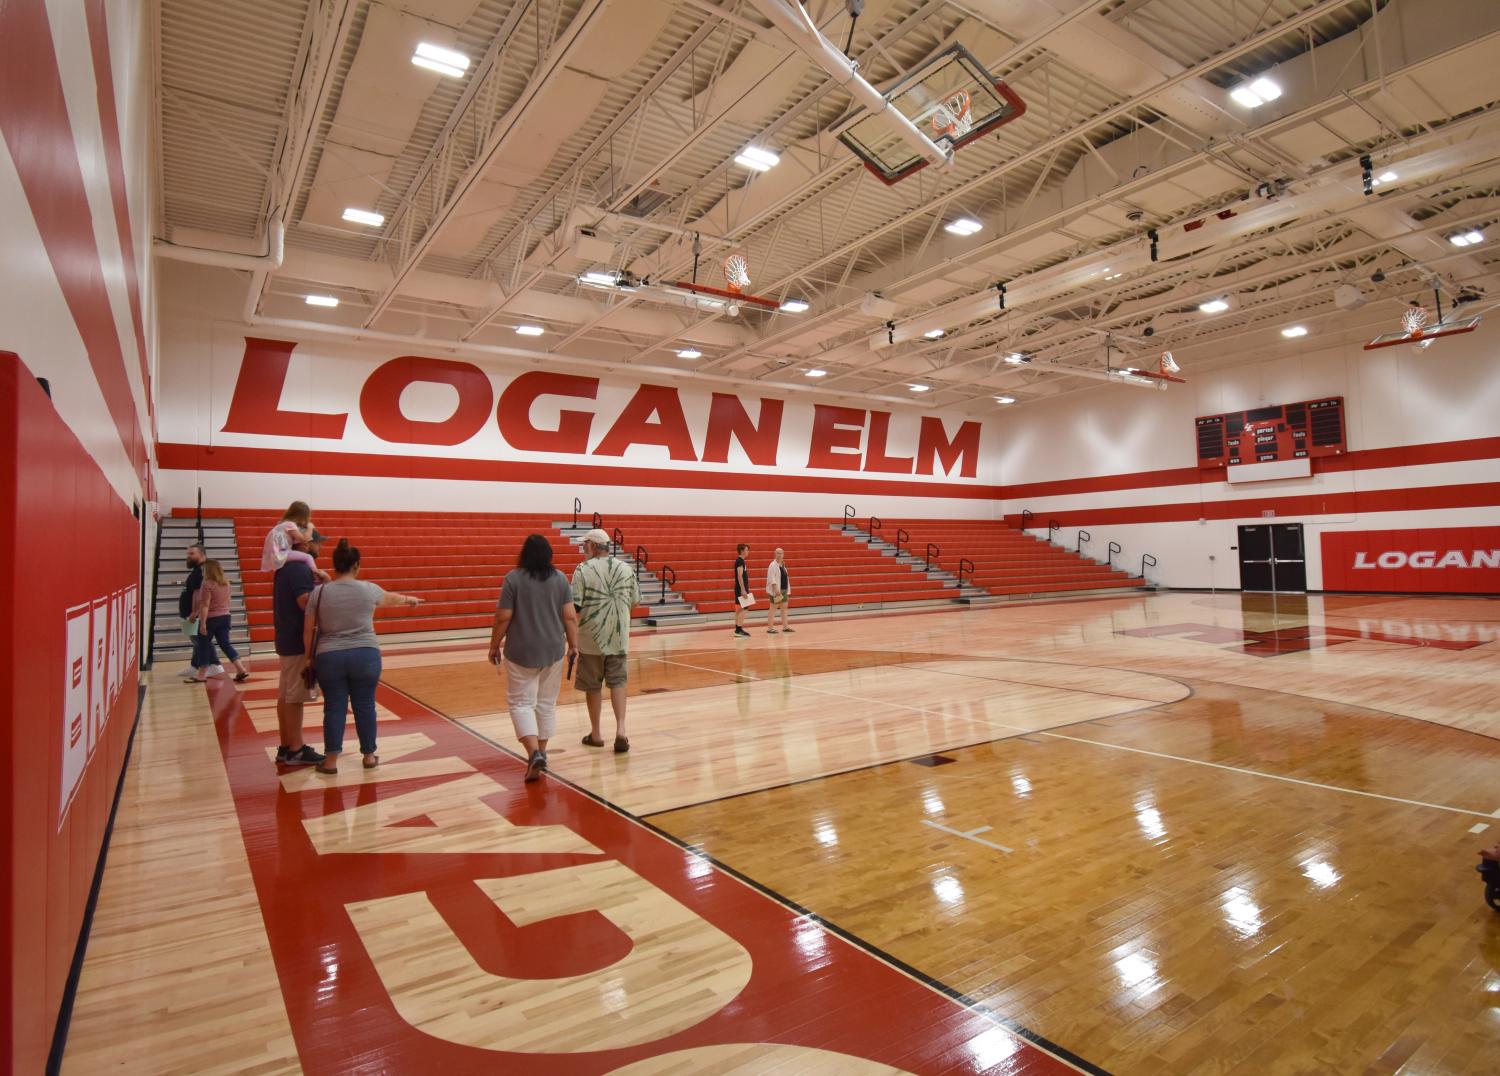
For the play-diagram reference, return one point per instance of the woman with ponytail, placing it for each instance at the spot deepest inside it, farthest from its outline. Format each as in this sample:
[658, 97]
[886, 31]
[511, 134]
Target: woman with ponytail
[342, 649]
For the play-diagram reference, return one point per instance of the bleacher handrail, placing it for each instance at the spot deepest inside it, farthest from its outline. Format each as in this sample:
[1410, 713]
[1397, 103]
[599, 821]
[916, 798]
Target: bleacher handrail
[902, 535]
[616, 541]
[933, 552]
[1026, 516]
[875, 524]
[577, 507]
[961, 562]
[848, 515]
[598, 521]
[1146, 558]
[1083, 536]
[1053, 526]
[1114, 547]
[642, 557]
[668, 574]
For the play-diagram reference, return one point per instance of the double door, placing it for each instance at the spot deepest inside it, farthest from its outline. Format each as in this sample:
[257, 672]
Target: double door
[1272, 557]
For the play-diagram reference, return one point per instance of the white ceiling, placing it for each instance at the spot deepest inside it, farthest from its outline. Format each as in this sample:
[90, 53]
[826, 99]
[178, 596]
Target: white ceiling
[625, 115]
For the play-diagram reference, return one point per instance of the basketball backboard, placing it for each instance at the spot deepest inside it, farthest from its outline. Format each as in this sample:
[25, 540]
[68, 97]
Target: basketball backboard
[1424, 336]
[953, 100]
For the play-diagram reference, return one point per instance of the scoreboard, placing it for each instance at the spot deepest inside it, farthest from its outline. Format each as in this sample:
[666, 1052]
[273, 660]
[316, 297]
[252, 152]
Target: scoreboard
[1284, 432]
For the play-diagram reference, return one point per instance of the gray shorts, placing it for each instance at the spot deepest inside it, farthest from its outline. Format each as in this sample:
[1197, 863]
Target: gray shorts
[597, 670]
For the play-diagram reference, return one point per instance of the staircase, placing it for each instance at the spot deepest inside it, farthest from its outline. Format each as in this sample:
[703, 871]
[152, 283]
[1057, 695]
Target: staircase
[179, 531]
[662, 603]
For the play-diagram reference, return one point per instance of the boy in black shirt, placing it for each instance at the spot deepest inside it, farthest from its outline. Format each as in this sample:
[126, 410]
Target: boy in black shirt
[741, 589]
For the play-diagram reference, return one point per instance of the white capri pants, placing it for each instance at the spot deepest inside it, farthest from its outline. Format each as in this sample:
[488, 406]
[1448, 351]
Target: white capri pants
[532, 697]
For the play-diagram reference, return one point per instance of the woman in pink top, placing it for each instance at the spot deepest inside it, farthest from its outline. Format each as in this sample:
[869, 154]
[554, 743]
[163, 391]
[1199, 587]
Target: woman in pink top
[211, 610]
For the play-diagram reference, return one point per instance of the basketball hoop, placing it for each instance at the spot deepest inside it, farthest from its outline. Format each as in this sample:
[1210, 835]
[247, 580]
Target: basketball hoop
[1413, 320]
[737, 272]
[951, 119]
[1169, 364]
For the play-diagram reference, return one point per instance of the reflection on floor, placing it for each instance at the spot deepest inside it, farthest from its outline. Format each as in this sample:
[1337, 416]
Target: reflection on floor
[1178, 833]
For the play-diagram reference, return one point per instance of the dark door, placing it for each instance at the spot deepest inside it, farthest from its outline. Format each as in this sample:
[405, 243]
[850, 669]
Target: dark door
[1272, 557]
[1288, 561]
[1255, 558]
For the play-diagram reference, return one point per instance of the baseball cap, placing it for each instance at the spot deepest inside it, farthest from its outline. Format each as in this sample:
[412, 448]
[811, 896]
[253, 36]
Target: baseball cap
[598, 537]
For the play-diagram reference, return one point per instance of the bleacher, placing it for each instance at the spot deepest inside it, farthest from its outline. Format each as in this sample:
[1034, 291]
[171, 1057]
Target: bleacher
[1007, 561]
[453, 561]
[828, 568]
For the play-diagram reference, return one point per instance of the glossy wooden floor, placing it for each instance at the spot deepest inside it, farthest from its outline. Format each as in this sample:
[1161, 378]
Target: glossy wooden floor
[1178, 833]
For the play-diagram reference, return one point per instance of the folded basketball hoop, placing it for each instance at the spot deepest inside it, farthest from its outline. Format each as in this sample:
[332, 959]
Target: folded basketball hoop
[736, 279]
[1416, 332]
[954, 97]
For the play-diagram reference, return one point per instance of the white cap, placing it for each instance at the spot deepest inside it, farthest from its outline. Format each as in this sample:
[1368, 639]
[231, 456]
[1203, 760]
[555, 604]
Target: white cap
[598, 537]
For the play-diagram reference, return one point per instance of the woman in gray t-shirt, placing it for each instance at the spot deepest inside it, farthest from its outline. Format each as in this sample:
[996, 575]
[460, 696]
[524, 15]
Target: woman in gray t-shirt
[342, 613]
[538, 626]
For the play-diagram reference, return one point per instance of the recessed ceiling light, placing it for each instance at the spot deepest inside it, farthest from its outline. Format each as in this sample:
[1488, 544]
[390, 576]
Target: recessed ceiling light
[1214, 306]
[1291, 332]
[530, 330]
[443, 61]
[816, 373]
[795, 306]
[963, 226]
[933, 334]
[1255, 93]
[322, 300]
[1015, 358]
[1466, 239]
[1384, 177]
[689, 353]
[1005, 399]
[364, 216]
[919, 388]
[757, 158]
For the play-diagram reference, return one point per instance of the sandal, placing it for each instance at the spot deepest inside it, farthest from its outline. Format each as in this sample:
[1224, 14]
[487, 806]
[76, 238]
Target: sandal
[241, 678]
[330, 773]
[589, 741]
[371, 762]
[621, 745]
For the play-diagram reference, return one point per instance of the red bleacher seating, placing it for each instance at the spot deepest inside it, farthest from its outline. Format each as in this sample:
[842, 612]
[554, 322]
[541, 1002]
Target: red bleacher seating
[1007, 561]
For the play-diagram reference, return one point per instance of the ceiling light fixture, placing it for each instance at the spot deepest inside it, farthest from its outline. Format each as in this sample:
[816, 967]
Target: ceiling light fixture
[1005, 399]
[1255, 93]
[1214, 306]
[795, 306]
[1384, 177]
[934, 334]
[322, 300]
[919, 388]
[599, 278]
[530, 330]
[1466, 239]
[443, 61]
[962, 226]
[689, 353]
[1291, 332]
[1015, 358]
[757, 159]
[816, 373]
[364, 216]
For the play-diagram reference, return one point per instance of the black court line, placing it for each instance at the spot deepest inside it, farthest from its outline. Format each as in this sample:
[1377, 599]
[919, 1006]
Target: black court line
[979, 1008]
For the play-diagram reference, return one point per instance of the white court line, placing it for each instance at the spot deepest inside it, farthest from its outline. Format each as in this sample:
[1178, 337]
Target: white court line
[1112, 746]
[1479, 827]
[971, 835]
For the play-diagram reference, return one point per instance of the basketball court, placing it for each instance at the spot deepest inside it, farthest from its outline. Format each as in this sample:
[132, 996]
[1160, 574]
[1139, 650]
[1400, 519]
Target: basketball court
[1115, 383]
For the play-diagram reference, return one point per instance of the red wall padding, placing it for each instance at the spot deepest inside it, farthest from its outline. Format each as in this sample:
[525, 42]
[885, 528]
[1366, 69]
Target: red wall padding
[69, 561]
[1445, 560]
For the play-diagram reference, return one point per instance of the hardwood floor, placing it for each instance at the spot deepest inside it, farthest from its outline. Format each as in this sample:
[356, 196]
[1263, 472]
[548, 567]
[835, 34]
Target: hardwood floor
[1176, 833]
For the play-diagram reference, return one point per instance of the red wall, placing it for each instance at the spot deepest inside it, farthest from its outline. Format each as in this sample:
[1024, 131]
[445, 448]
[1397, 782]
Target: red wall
[69, 556]
[1445, 560]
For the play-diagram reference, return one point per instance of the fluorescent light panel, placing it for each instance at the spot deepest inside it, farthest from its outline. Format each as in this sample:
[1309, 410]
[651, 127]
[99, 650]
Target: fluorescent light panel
[1466, 239]
[598, 278]
[1384, 177]
[530, 330]
[816, 373]
[443, 61]
[364, 216]
[933, 334]
[689, 353]
[963, 226]
[1291, 332]
[1005, 399]
[1015, 358]
[1255, 93]
[795, 306]
[919, 388]
[1214, 306]
[322, 300]
[757, 158]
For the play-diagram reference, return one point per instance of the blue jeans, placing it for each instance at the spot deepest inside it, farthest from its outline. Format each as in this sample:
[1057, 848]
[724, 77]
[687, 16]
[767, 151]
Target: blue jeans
[349, 676]
[218, 631]
[203, 651]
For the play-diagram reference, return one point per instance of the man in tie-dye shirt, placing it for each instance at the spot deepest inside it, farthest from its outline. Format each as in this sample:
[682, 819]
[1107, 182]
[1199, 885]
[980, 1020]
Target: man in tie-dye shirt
[604, 590]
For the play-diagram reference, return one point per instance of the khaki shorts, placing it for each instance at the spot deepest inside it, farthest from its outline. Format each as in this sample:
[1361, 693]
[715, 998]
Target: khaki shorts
[595, 670]
[291, 689]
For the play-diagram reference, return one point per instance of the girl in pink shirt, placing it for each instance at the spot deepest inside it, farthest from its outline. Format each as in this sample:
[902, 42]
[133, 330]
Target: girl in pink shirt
[295, 526]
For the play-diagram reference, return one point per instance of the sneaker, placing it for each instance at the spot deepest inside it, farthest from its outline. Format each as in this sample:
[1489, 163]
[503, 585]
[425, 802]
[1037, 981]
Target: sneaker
[303, 756]
[742, 633]
[282, 754]
[534, 766]
[216, 670]
[186, 671]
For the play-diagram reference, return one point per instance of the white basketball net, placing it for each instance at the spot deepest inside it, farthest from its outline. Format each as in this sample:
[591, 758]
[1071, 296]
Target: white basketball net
[1413, 320]
[951, 118]
[1169, 364]
[737, 271]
